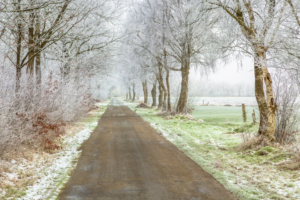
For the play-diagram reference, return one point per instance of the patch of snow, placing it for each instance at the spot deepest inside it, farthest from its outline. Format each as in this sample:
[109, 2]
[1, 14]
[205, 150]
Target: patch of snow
[11, 176]
[94, 124]
[213, 141]
[51, 177]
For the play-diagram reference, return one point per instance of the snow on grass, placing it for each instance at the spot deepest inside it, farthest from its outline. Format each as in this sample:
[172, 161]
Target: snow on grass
[36, 174]
[246, 174]
[57, 174]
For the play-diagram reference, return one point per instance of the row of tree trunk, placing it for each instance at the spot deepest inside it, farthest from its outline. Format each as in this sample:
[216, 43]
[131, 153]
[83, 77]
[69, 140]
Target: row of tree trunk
[130, 96]
[164, 96]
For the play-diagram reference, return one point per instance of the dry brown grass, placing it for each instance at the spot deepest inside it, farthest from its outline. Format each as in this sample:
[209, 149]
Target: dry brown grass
[19, 167]
[294, 150]
[163, 114]
[255, 142]
[142, 105]
[218, 164]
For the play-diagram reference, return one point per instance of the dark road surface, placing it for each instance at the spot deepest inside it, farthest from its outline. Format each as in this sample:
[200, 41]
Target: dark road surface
[125, 158]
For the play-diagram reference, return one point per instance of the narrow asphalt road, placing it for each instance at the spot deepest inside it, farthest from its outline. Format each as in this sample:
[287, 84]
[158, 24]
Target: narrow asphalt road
[125, 158]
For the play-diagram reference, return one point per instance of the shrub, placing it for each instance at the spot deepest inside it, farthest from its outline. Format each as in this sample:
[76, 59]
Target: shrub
[287, 117]
[36, 116]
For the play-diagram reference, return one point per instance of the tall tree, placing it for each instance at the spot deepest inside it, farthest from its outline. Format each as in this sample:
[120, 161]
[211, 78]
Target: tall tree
[191, 41]
[259, 22]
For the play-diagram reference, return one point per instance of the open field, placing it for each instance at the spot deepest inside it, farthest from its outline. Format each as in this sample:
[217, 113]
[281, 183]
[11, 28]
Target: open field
[213, 143]
[216, 101]
[223, 114]
[224, 100]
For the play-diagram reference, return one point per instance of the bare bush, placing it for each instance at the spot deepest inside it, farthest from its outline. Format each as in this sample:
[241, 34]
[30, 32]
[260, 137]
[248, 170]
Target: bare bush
[142, 105]
[37, 115]
[287, 117]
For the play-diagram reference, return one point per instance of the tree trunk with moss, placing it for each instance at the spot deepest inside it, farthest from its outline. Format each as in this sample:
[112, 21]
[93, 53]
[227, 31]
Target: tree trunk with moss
[182, 102]
[265, 100]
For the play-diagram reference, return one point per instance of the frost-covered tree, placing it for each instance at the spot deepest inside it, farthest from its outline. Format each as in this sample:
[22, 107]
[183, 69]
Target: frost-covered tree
[68, 46]
[173, 35]
[191, 40]
[258, 22]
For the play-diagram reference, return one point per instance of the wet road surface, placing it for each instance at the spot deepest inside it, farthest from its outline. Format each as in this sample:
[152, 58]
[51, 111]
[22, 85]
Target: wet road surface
[125, 158]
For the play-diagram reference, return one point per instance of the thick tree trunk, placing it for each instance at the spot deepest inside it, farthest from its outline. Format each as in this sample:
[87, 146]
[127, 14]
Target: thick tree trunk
[272, 106]
[266, 104]
[168, 90]
[18, 53]
[185, 70]
[166, 104]
[133, 93]
[153, 94]
[160, 96]
[145, 89]
[165, 99]
[129, 92]
[182, 102]
[260, 98]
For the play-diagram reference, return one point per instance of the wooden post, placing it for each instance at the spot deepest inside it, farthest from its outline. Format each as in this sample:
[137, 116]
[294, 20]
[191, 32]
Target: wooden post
[244, 112]
[253, 117]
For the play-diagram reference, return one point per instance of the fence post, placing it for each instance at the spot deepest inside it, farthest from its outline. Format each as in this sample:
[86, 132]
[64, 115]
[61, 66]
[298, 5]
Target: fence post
[253, 117]
[244, 112]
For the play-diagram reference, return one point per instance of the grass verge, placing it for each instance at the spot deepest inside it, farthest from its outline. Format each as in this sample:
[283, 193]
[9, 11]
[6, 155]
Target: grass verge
[210, 137]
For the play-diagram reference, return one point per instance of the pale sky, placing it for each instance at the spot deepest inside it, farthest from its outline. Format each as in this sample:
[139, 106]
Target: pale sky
[232, 73]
